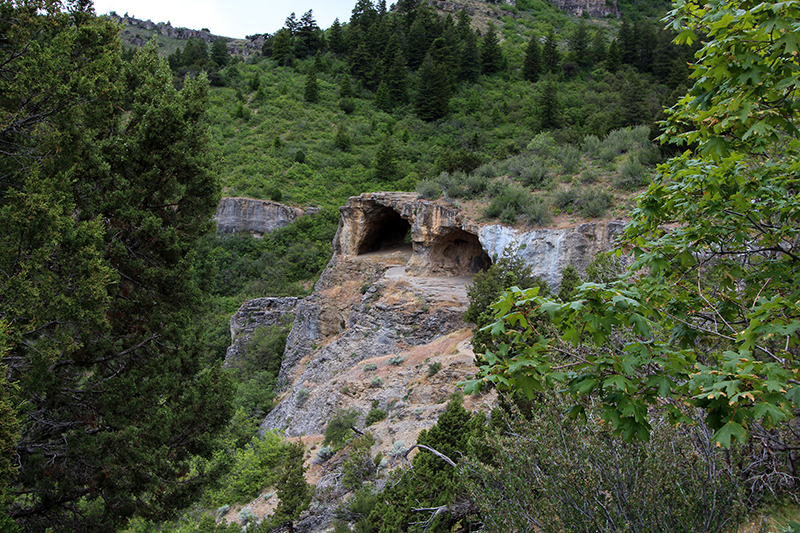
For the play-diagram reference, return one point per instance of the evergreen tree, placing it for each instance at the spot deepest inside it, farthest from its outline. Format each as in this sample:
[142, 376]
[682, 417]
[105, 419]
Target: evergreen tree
[382, 99]
[627, 42]
[491, 56]
[598, 48]
[103, 349]
[386, 161]
[418, 41]
[432, 95]
[336, 39]
[345, 88]
[342, 140]
[307, 36]
[311, 92]
[570, 280]
[464, 25]
[579, 46]
[396, 81]
[532, 66]
[282, 46]
[470, 67]
[219, 52]
[551, 59]
[293, 490]
[614, 57]
[547, 103]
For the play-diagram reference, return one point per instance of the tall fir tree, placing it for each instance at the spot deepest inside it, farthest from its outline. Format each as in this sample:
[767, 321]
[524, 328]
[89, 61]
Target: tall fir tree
[470, 65]
[432, 95]
[579, 45]
[532, 65]
[491, 55]
[547, 103]
[551, 58]
[293, 490]
[598, 48]
[336, 39]
[311, 90]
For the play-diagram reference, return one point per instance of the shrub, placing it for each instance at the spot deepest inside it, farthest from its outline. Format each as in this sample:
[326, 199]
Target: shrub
[594, 204]
[369, 367]
[591, 145]
[566, 476]
[246, 516]
[302, 396]
[569, 158]
[625, 140]
[376, 383]
[509, 204]
[338, 431]
[536, 175]
[300, 156]
[428, 189]
[359, 467]
[456, 159]
[375, 415]
[564, 198]
[396, 360]
[347, 105]
[433, 368]
[632, 175]
[537, 212]
[543, 145]
[324, 453]
[589, 176]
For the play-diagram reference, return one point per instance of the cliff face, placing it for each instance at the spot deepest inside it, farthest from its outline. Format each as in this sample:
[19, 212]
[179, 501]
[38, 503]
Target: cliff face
[235, 215]
[595, 8]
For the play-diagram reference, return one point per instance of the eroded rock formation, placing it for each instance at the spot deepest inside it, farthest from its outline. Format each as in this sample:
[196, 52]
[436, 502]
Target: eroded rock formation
[235, 215]
[444, 241]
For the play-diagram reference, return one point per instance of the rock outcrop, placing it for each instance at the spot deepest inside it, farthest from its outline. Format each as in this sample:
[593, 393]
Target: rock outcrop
[256, 314]
[594, 8]
[444, 241]
[236, 215]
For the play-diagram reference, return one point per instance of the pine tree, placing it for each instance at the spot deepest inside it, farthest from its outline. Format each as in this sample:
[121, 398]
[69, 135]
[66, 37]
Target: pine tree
[382, 99]
[432, 90]
[345, 88]
[311, 93]
[570, 280]
[470, 65]
[112, 184]
[385, 168]
[579, 46]
[336, 40]
[598, 48]
[282, 46]
[491, 56]
[547, 103]
[551, 59]
[614, 57]
[219, 52]
[532, 66]
[293, 490]
[418, 42]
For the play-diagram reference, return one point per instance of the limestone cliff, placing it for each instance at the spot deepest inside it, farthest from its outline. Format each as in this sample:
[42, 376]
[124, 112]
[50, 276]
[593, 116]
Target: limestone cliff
[383, 327]
[235, 215]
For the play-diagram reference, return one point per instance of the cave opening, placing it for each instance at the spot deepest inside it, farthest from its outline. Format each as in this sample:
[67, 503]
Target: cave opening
[459, 253]
[386, 230]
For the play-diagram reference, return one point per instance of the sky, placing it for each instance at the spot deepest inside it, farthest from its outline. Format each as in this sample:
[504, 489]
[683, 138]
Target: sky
[228, 18]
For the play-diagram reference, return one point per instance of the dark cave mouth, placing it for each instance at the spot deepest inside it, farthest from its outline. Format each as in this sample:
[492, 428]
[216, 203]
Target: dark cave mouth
[386, 230]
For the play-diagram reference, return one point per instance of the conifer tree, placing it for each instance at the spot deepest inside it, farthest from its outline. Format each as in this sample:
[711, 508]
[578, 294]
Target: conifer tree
[598, 48]
[112, 184]
[432, 90]
[613, 57]
[311, 92]
[345, 88]
[418, 42]
[470, 67]
[579, 45]
[219, 52]
[386, 160]
[551, 59]
[336, 39]
[382, 99]
[547, 103]
[491, 55]
[532, 66]
[292, 488]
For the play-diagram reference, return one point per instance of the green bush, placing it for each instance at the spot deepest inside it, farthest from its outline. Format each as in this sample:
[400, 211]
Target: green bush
[376, 383]
[569, 158]
[554, 475]
[433, 368]
[369, 367]
[338, 431]
[375, 415]
[302, 396]
[595, 203]
[252, 468]
[396, 360]
[632, 175]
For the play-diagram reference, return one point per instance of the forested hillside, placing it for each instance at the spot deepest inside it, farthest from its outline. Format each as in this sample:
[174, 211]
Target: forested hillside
[659, 396]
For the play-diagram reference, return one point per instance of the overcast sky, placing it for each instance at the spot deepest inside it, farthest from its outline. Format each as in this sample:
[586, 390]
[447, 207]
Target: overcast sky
[228, 18]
